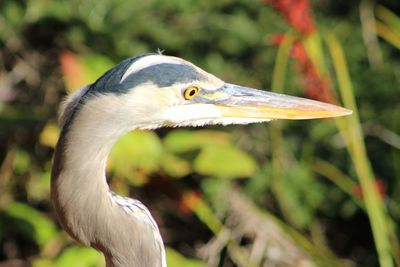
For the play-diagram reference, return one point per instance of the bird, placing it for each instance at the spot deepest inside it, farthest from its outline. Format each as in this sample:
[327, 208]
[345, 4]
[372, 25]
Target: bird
[144, 92]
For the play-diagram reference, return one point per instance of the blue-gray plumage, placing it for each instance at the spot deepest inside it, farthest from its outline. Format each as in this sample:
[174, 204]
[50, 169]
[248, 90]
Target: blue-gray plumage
[163, 75]
[144, 92]
[110, 81]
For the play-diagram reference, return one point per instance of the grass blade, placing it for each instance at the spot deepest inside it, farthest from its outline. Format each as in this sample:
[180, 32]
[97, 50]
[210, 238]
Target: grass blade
[374, 205]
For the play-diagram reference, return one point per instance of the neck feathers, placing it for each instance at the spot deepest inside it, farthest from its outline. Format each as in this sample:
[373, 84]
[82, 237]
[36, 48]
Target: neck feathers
[85, 207]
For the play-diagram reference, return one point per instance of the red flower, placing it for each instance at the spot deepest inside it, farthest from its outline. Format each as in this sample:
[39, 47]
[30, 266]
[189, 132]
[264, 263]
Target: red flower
[277, 39]
[316, 86]
[296, 12]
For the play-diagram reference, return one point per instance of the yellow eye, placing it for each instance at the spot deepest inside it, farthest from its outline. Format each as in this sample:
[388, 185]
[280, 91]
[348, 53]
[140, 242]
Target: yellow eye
[190, 92]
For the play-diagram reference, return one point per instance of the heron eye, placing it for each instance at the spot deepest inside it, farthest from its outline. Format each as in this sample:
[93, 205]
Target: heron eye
[190, 92]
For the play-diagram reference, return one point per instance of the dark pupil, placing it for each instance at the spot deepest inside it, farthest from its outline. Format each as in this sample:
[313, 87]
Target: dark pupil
[192, 92]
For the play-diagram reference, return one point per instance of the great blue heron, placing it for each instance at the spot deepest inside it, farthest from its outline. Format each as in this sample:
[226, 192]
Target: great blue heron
[144, 92]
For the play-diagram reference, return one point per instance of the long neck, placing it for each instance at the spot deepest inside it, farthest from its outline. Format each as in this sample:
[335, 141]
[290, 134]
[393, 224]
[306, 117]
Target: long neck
[126, 234]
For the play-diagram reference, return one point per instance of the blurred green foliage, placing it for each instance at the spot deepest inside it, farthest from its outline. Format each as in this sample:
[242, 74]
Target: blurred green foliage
[317, 203]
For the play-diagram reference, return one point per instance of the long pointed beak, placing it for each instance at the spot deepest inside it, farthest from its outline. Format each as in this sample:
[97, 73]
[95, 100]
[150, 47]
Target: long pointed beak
[243, 102]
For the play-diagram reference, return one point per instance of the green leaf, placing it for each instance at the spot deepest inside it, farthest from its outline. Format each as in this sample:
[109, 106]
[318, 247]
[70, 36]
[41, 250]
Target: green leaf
[30, 223]
[224, 161]
[175, 259]
[21, 163]
[138, 151]
[175, 166]
[181, 141]
[42, 263]
[12, 12]
[79, 257]
[49, 135]
[38, 186]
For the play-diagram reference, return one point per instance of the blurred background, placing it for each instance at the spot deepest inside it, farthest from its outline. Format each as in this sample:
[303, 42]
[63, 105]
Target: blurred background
[300, 193]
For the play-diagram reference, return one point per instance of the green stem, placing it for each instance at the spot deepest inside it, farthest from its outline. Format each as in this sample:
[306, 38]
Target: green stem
[388, 34]
[337, 177]
[373, 202]
[388, 17]
[282, 58]
[278, 81]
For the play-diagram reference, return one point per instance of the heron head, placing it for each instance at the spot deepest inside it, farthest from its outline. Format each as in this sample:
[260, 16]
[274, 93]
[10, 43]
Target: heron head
[156, 90]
